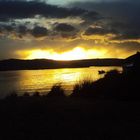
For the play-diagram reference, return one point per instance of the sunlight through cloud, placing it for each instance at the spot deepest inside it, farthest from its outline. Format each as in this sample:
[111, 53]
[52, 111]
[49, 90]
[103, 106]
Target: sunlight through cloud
[77, 53]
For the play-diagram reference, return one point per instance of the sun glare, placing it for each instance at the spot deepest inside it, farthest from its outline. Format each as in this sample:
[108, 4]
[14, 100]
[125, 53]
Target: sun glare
[77, 53]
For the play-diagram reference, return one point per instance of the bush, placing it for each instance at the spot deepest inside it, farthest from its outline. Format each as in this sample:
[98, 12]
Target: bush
[83, 89]
[56, 91]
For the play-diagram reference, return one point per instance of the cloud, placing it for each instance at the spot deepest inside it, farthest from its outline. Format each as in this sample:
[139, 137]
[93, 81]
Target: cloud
[14, 13]
[6, 27]
[119, 16]
[128, 46]
[126, 30]
[29, 9]
[39, 31]
[29, 25]
[66, 31]
[22, 30]
[97, 31]
[125, 9]
[64, 28]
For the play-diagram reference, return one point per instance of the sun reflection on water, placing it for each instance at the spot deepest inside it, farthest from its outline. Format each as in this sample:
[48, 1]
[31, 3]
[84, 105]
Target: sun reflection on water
[42, 80]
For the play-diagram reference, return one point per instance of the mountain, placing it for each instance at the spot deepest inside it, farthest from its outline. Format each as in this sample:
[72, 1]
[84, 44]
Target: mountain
[16, 64]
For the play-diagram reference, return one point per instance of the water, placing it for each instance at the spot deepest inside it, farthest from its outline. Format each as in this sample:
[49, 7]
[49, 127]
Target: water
[42, 80]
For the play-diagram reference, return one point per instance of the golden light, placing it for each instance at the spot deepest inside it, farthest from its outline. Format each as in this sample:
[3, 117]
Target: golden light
[77, 53]
[38, 54]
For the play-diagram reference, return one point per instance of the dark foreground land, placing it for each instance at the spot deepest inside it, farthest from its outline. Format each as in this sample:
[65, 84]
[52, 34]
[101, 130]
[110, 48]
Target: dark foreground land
[70, 118]
[108, 109]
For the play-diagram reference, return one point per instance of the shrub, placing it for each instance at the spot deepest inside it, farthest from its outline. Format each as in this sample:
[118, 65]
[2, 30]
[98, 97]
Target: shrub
[83, 88]
[56, 91]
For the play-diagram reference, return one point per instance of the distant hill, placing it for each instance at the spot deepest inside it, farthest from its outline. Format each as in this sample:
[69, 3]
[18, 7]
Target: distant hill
[16, 64]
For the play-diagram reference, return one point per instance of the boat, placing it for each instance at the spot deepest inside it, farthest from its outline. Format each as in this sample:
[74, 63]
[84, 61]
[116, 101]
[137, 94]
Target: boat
[101, 72]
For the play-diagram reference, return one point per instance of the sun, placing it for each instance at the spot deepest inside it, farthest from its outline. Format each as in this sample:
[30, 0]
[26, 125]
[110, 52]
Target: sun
[77, 53]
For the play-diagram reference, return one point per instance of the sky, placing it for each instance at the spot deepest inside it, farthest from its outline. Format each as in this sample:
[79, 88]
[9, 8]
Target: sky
[69, 30]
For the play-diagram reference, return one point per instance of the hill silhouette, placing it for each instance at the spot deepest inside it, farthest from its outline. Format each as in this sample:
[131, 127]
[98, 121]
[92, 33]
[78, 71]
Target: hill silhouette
[17, 64]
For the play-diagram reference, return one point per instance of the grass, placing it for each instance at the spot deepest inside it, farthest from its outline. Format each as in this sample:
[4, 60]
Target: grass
[83, 88]
[56, 91]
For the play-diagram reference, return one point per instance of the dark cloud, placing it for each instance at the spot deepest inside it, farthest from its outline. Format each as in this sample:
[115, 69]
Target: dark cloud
[63, 27]
[10, 10]
[22, 29]
[13, 29]
[8, 28]
[92, 16]
[39, 31]
[119, 16]
[127, 36]
[126, 30]
[65, 30]
[68, 36]
[126, 9]
[98, 31]
[29, 9]
[129, 46]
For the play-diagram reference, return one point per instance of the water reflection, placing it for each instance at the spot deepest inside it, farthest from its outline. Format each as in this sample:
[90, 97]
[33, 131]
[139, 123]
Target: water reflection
[42, 80]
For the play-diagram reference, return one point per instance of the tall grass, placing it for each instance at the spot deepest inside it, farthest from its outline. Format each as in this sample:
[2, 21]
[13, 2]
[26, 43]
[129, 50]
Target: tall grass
[56, 91]
[83, 88]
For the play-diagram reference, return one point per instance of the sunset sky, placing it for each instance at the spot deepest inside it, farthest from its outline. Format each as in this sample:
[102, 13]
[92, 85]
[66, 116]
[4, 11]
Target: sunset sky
[69, 29]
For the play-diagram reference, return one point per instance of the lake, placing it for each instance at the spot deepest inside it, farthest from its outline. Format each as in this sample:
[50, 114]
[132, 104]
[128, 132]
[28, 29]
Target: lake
[42, 80]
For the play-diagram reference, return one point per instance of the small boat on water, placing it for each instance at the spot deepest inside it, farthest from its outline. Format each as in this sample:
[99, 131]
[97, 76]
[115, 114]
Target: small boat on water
[101, 72]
